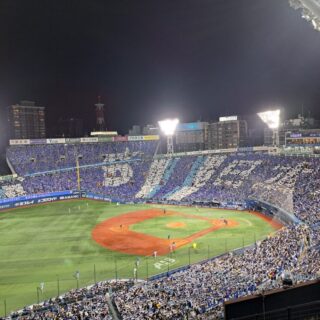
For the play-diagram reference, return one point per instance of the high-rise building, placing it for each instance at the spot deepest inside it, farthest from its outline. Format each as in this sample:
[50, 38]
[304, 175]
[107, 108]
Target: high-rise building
[150, 129]
[229, 132]
[190, 136]
[27, 121]
[135, 131]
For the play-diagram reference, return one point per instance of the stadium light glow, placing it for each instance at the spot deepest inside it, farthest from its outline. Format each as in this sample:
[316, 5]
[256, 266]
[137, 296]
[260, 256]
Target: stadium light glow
[310, 11]
[168, 126]
[271, 118]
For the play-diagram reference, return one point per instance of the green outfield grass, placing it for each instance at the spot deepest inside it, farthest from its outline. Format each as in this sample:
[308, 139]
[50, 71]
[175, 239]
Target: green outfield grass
[46, 243]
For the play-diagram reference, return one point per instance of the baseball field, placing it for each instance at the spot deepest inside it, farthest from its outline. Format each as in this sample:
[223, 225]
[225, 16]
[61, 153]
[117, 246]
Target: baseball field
[48, 249]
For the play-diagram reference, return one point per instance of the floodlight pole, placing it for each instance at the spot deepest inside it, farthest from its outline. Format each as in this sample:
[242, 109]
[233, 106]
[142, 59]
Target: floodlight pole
[168, 127]
[275, 137]
[78, 174]
[170, 145]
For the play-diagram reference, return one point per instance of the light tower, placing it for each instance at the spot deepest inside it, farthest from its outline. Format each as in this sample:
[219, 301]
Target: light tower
[272, 120]
[101, 126]
[168, 127]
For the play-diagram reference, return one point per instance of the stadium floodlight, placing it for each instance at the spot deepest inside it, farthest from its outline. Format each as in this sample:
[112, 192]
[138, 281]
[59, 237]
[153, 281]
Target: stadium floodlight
[272, 119]
[168, 127]
[310, 11]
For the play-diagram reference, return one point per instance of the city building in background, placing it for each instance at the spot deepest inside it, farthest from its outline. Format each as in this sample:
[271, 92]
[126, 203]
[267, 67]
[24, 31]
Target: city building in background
[70, 128]
[27, 121]
[289, 126]
[302, 137]
[135, 131]
[150, 129]
[190, 136]
[229, 132]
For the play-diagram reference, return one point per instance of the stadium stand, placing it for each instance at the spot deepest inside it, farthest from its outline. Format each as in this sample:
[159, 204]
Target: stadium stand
[11, 188]
[199, 291]
[198, 179]
[202, 288]
[84, 303]
[287, 182]
[120, 181]
[154, 177]
[177, 177]
[39, 158]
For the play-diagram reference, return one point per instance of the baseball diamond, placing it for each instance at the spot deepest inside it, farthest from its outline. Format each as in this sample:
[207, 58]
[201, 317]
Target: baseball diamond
[52, 241]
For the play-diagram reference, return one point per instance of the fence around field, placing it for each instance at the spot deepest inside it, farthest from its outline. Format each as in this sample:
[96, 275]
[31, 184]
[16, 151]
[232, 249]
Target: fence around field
[145, 268]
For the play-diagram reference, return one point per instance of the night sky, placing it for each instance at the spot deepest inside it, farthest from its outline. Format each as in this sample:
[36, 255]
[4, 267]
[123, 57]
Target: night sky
[148, 59]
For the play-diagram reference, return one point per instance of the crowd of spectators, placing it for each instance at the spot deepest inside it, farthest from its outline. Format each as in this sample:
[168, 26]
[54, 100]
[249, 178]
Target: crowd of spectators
[202, 288]
[178, 175]
[154, 177]
[90, 303]
[28, 159]
[11, 188]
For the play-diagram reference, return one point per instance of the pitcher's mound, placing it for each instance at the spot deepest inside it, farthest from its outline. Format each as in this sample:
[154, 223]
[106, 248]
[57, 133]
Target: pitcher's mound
[176, 225]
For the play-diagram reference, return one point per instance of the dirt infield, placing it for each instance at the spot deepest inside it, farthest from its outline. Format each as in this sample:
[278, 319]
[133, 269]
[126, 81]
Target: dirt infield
[116, 235]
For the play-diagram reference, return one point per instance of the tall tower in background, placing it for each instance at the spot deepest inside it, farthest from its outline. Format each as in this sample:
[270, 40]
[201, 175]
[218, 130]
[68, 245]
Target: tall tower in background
[101, 125]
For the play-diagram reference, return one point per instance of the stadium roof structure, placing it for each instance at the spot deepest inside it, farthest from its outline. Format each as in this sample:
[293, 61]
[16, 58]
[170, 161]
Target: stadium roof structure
[310, 11]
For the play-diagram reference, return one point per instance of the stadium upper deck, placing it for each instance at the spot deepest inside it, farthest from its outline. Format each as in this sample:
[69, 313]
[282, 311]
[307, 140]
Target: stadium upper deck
[28, 157]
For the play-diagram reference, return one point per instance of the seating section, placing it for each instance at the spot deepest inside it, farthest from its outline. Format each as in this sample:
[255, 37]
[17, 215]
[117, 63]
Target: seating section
[199, 179]
[11, 188]
[39, 158]
[128, 173]
[155, 174]
[116, 175]
[200, 291]
[84, 303]
[51, 182]
[176, 177]
[119, 182]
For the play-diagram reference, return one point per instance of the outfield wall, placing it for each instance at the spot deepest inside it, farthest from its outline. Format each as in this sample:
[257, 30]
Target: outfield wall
[52, 197]
[38, 199]
[99, 197]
